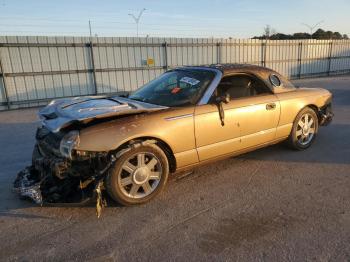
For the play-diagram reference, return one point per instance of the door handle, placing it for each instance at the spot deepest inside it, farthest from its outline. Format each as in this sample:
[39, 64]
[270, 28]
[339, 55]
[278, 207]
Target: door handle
[270, 106]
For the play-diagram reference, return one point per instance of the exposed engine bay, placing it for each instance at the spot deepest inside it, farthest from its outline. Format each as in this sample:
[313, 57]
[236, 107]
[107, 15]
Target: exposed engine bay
[53, 178]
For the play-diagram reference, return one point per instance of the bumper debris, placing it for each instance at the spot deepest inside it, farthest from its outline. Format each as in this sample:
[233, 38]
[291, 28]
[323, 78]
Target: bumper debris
[54, 181]
[27, 185]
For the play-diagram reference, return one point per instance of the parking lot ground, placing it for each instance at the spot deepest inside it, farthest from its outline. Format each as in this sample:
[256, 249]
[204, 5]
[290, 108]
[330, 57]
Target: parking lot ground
[273, 204]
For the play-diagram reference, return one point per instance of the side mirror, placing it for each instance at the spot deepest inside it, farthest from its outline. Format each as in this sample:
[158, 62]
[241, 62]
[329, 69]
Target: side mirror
[219, 101]
[223, 99]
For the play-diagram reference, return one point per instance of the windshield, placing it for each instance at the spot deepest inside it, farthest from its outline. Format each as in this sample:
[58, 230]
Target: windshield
[175, 88]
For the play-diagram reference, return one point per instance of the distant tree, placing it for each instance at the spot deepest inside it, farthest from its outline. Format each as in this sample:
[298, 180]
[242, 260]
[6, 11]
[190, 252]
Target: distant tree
[319, 34]
[270, 33]
[328, 35]
[279, 36]
[337, 35]
[301, 36]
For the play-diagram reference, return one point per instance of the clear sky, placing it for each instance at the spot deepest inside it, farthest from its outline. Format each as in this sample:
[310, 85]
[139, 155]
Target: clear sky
[177, 18]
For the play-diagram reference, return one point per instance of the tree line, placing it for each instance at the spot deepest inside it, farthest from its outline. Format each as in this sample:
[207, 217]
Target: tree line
[271, 34]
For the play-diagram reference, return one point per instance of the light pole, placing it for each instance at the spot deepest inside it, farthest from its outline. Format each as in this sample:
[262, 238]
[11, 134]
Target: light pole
[90, 29]
[137, 20]
[312, 27]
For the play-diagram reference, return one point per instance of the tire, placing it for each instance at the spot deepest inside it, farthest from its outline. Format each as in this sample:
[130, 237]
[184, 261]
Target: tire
[301, 136]
[138, 175]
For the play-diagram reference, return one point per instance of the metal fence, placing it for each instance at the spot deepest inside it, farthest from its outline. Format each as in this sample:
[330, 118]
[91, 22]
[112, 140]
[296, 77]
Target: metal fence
[34, 70]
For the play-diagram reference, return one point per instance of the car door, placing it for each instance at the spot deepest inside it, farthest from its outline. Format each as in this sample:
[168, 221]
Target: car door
[212, 138]
[258, 110]
[251, 117]
[258, 119]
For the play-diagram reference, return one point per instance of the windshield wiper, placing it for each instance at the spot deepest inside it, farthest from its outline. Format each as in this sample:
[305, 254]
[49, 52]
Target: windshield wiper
[139, 99]
[144, 100]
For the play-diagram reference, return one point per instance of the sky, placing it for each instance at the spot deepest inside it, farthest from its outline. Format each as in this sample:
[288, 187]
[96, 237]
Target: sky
[175, 18]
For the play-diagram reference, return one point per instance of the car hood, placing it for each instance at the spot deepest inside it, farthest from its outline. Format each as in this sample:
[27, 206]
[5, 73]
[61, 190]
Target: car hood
[61, 113]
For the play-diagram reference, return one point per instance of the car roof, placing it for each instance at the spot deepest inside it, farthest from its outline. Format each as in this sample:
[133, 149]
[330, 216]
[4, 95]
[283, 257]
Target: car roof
[262, 72]
[228, 69]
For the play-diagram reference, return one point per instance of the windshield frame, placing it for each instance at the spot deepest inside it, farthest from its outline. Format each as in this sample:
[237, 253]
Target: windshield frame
[209, 89]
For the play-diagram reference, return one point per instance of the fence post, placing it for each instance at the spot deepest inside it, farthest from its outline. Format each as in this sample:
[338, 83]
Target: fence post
[263, 54]
[166, 55]
[300, 52]
[330, 58]
[218, 45]
[93, 65]
[2, 75]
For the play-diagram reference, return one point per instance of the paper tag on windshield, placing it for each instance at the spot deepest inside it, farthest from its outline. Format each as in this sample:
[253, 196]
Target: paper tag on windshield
[189, 80]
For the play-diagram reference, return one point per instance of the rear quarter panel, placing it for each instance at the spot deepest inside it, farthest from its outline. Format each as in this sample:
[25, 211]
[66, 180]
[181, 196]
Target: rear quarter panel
[292, 102]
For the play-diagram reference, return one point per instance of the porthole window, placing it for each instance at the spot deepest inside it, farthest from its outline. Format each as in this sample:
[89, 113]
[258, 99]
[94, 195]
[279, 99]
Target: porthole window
[275, 81]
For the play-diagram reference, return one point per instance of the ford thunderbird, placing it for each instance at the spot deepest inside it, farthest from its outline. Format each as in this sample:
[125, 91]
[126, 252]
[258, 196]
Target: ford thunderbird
[129, 145]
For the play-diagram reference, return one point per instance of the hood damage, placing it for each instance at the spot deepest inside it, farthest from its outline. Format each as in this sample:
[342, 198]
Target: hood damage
[57, 179]
[61, 113]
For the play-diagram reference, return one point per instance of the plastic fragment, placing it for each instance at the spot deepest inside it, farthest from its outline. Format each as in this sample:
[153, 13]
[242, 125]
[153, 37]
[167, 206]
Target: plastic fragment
[100, 202]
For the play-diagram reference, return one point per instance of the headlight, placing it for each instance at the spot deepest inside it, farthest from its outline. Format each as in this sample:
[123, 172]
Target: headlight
[69, 142]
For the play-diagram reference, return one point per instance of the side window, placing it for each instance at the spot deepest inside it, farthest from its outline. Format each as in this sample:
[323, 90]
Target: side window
[275, 81]
[241, 86]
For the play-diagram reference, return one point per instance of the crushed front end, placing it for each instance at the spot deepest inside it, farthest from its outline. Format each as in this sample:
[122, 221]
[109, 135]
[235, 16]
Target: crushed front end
[326, 114]
[59, 173]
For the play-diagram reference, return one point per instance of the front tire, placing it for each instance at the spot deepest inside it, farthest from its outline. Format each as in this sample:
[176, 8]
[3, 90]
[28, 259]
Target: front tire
[138, 175]
[304, 131]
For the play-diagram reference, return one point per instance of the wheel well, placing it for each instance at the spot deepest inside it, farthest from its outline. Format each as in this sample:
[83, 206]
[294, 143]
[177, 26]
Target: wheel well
[315, 108]
[164, 146]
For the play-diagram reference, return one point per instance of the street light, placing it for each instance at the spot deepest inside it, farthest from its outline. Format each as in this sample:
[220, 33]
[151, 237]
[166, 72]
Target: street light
[137, 20]
[311, 28]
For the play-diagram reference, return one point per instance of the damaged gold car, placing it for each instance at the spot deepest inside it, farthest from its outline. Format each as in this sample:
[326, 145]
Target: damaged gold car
[188, 116]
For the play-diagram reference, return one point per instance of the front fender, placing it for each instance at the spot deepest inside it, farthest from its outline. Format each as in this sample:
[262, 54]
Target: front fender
[108, 136]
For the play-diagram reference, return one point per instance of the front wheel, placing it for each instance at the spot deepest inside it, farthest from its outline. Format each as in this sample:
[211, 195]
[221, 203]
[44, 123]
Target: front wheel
[138, 175]
[304, 129]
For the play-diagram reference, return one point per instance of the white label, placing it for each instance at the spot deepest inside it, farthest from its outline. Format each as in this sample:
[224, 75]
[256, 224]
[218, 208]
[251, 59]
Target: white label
[189, 80]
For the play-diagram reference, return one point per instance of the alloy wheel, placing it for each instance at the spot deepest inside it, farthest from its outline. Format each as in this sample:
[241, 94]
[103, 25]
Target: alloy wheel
[140, 175]
[306, 129]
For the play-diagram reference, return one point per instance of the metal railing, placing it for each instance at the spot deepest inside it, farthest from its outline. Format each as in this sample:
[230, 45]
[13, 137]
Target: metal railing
[34, 70]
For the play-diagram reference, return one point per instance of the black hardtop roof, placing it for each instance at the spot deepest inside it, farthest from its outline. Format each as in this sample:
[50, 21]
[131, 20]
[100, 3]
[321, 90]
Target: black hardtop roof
[248, 68]
[227, 69]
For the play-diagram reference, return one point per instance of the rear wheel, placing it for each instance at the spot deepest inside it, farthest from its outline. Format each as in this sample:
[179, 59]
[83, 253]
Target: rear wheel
[138, 175]
[304, 129]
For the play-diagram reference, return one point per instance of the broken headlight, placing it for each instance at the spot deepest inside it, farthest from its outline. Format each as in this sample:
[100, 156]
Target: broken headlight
[69, 142]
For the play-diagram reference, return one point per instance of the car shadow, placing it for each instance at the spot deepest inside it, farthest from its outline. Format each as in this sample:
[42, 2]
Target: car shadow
[330, 146]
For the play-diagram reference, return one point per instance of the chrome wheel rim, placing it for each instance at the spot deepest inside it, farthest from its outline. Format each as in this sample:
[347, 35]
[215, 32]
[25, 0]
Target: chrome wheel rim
[306, 129]
[140, 175]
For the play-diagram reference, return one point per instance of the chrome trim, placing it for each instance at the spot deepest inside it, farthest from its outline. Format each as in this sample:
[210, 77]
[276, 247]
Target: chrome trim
[211, 88]
[178, 117]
